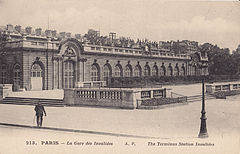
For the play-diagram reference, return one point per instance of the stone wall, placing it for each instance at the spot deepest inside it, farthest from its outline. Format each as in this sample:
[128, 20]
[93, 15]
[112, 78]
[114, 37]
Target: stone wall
[29, 58]
[99, 97]
[5, 90]
[163, 101]
[109, 97]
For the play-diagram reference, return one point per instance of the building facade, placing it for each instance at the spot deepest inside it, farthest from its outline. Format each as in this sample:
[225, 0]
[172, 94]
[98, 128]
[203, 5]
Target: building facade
[36, 61]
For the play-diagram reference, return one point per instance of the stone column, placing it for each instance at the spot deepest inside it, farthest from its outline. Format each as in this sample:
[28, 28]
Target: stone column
[82, 69]
[78, 65]
[60, 67]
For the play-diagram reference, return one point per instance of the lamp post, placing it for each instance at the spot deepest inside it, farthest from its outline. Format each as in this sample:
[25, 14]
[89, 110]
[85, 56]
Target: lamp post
[203, 128]
[47, 63]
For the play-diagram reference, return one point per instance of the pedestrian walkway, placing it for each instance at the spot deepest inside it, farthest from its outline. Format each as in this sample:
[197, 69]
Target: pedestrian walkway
[173, 122]
[186, 90]
[75, 131]
[47, 94]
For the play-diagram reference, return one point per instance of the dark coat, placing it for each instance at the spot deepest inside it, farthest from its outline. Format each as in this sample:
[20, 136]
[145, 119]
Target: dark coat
[39, 108]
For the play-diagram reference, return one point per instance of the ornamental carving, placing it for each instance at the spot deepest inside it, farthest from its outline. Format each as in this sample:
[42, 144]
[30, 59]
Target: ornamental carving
[69, 52]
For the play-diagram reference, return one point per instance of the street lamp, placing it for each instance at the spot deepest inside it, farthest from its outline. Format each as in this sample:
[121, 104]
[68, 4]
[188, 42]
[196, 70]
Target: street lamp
[203, 128]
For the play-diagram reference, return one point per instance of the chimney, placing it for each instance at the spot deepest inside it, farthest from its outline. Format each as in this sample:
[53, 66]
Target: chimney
[38, 31]
[18, 28]
[10, 27]
[68, 35]
[48, 32]
[78, 36]
[62, 34]
[28, 30]
[54, 33]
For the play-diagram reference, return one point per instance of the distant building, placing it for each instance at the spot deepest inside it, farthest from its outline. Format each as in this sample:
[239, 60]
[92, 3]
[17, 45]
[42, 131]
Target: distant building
[191, 46]
[40, 60]
[165, 46]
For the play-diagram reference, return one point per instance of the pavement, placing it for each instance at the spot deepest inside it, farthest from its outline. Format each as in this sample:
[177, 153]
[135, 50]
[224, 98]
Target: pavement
[170, 124]
[130, 131]
[187, 90]
[48, 94]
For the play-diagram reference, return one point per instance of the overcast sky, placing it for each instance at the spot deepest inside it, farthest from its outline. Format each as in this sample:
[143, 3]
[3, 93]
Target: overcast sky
[213, 22]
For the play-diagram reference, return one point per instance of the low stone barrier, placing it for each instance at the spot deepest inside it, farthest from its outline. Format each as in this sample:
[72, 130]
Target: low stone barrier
[5, 90]
[162, 101]
[99, 97]
[223, 94]
[110, 97]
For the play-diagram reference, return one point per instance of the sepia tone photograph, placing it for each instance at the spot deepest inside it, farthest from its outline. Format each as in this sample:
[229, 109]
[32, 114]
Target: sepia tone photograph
[119, 76]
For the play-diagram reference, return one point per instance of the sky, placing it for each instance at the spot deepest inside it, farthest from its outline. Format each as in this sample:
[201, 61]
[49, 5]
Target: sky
[216, 22]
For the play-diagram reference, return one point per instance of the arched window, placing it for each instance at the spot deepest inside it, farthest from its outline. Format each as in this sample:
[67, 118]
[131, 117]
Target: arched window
[137, 71]
[95, 73]
[154, 71]
[182, 72]
[118, 71]
[146, 70]
[128, 71]
[106, 72]
[176, 71]
[162, 71]
[16, 78]
[36, 70]
[169, 71]
[4, 74]
[68, 74]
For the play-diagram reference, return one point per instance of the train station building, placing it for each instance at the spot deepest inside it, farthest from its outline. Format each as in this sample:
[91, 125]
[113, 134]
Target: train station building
[37, 60]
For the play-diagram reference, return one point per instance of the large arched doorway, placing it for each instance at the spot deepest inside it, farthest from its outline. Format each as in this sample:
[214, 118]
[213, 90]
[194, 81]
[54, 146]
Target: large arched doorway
[95, 72]
[107, 73]
[137, 71]
[154, 70]
[118, 71]
[36, 77]
[169, 71]
[68, 74]
[162, 71]
[176, 71]
[182, 73]
[146, 70]
[128, 70]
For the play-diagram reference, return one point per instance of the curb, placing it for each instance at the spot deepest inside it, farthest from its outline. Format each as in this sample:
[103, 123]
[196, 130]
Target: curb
[77, 131]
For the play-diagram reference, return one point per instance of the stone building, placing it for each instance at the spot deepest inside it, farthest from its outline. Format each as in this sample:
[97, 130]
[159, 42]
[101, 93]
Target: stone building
[37, 60]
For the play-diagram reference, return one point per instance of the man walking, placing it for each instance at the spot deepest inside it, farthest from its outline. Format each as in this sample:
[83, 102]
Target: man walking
[39, 109]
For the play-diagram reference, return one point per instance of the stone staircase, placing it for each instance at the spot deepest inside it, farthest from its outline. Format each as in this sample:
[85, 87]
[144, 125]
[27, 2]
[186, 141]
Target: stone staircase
[32, 101]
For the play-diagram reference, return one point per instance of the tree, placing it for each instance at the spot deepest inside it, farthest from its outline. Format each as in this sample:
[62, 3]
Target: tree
[3, 41]
[220, 61]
